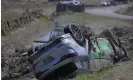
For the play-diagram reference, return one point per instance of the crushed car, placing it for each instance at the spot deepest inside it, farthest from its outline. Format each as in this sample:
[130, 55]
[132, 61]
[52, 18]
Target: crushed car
[70, 5]
[71, 51]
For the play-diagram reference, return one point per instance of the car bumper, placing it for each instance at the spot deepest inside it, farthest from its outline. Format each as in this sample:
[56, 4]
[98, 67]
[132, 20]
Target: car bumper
[63, 63]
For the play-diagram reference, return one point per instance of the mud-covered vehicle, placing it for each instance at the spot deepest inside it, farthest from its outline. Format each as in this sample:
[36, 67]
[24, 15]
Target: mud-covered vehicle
[70, 5]
[72, 51]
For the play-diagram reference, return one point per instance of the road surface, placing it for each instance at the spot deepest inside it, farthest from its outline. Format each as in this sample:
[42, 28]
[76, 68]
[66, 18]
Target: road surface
[109, 12]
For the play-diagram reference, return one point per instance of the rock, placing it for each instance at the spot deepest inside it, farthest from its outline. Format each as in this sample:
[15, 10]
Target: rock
[131, 39]
[17, 51]
[15, 75]
[24, 54]
[26, 71]
[6, 78]
[121, 30]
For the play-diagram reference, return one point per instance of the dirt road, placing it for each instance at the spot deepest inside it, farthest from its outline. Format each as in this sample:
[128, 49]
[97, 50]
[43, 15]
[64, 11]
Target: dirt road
[109, 12]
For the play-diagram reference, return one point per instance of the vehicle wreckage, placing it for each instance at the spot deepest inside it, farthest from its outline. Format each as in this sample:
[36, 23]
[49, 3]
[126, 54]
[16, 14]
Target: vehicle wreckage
[71, 50]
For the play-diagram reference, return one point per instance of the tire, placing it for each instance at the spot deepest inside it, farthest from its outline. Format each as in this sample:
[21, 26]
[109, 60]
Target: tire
[72, 29]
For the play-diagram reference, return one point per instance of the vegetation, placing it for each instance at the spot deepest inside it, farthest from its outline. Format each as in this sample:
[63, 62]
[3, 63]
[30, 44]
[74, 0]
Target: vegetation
[126, 11]
[92, 17]
[93, 76]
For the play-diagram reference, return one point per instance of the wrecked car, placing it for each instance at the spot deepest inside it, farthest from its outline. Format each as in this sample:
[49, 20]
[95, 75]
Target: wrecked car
[71, 51]
[70, 5]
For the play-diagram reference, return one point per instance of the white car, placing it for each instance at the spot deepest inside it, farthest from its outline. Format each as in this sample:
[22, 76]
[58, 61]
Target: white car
[66, 51]
[71, 52]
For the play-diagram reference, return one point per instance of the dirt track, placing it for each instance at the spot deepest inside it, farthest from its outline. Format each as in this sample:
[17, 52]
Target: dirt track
[109, 12]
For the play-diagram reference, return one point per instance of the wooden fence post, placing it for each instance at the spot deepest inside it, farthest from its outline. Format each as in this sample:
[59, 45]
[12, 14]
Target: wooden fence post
[24, 20]
[2, 28]
[13, 25]
[21, 21]
[8, 26]
[28, 19]
[17, 23]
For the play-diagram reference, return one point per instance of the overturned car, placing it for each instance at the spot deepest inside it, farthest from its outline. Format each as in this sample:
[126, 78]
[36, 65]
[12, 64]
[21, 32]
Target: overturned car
[70, 5]
[71, 51]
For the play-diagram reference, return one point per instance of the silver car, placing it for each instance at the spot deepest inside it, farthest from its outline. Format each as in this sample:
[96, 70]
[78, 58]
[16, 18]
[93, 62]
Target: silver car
[70, 52]
[66, 51]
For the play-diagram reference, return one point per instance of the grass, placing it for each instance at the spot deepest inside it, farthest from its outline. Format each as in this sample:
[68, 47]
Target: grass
[121, 11]
[93, 76]
[85, 18]
[95, 17]
[90, 16]
[126, 11]
[91, 2]
[44, 19]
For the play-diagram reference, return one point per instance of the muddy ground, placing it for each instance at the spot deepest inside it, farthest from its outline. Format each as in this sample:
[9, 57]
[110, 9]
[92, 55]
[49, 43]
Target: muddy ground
[124, 69]
[13, 45]
[17, 42]
[14, 64]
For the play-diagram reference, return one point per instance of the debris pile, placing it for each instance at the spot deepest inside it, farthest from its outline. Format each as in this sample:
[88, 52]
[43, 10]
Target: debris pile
[86, 31]
[15, 66]
[126, 35]
[121, 31]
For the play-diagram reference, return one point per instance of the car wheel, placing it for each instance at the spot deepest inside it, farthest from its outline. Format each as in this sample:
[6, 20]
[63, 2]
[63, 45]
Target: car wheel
[76, 34]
